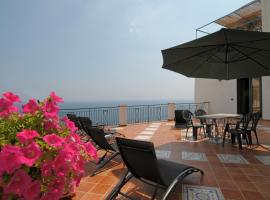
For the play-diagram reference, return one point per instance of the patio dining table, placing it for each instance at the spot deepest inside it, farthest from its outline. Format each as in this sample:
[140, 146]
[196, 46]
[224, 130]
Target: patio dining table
[224, 118]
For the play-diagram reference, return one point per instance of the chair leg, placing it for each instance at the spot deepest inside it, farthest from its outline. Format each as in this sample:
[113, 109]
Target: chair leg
[249, 137]
[102, 158]
[116, 190]
[180, 178]
[187, 132]
[238, 136]
[256, 136]
[104, 163]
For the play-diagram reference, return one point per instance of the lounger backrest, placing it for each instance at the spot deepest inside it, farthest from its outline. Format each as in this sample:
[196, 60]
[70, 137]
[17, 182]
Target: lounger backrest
[98, 136]
[72, 117]
[140, 159]
[86, 121]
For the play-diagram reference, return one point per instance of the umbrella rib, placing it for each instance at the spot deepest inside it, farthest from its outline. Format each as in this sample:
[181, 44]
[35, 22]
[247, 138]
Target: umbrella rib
[198, 66]
[197, 54]
[252, 47]
[258, 63]
[252, 41]
[243, 57]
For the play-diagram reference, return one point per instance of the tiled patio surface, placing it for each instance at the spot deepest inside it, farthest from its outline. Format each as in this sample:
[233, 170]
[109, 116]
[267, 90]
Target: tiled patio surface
[235, 179]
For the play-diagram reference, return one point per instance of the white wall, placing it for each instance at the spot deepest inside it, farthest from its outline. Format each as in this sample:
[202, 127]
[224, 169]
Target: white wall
[220, 94]
[266, 80]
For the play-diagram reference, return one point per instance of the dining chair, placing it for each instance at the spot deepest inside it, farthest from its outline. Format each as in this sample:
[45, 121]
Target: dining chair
[188, 116]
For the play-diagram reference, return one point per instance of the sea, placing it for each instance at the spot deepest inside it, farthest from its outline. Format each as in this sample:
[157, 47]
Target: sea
[99, 104]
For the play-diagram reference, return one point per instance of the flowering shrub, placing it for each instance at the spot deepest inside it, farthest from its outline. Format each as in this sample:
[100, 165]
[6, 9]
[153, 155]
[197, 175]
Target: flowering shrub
[41, 156]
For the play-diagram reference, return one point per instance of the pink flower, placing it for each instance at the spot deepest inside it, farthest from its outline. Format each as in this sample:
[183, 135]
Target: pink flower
[91, 150]
[56, 98]
[53, 140]
[10, 158]
[51, 125]
[51, 196]
[32, 192]
[71, 125]
[26, 136]
[18, 183]
[11, 97]
[31, 107]
[50, 110]
[31, 154]
[55, 190]
[6, 107]
[47, 168]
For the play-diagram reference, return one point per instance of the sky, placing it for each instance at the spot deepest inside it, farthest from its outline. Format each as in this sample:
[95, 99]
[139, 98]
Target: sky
[99, 50]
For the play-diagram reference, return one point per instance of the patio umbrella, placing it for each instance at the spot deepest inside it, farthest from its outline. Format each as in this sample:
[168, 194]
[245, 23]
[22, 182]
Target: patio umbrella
[225, 54]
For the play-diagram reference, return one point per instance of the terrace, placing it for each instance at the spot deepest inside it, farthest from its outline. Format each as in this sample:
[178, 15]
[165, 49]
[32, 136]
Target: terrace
[238, 174]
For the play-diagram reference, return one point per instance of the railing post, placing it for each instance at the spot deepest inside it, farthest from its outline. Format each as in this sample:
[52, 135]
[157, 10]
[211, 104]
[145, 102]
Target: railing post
[171, 109]
[122, 115]
[148, 113]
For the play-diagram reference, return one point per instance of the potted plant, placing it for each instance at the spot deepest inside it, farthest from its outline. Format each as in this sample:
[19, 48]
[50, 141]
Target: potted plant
[41, 156]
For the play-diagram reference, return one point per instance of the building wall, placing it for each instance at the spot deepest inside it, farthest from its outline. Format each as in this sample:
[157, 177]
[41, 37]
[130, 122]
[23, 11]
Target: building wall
[266, 80]
[221, 95]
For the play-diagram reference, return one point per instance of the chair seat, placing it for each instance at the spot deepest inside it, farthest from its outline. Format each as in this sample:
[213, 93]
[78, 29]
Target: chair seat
[235, 131]
[198, 125]
[169, 170]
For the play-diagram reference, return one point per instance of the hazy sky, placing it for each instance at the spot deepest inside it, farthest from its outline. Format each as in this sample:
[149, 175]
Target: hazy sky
[93, 50]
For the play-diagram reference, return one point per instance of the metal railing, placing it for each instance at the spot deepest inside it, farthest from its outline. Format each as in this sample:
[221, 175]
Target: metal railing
[147, 113]
[100, 115]
[134, 114]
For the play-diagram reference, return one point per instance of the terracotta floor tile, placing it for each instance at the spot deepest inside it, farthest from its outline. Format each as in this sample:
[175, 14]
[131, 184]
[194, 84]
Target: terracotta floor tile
[239, 178]
[225, 184]
[78, 195]
[246, 186]
[253, 195]
[263, 187]
[94, 179]
[85, 186]
[237, 181]
[260, 179]
[101, 188]
[89, 196]
[232, 194]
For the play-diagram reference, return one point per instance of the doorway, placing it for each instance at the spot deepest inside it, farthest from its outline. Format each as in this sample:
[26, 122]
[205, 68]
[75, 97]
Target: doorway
[249, 98]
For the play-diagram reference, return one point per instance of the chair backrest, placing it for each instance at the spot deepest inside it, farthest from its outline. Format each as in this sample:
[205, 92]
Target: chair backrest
[72, 117]
[188, 117]
[245, 120]
[140, 159]
[178, 114]
[200, 112]
[255, 119]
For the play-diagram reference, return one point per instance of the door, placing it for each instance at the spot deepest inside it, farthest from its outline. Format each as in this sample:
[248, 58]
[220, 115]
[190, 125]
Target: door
[249, 95]
[243, 96]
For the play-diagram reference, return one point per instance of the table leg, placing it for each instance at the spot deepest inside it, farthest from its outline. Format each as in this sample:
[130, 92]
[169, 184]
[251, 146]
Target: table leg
[195, 133]
[224, 133]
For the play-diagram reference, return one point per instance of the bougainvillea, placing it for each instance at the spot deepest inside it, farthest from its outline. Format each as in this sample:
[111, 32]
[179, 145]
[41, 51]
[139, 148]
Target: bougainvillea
[41, 156]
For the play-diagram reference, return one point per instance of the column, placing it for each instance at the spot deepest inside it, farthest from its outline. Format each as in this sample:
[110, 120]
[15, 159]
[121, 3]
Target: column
[122, 115]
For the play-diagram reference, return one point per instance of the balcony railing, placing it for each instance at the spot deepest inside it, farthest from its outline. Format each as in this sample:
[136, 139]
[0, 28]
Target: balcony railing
[147, 113]
[111, 116]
